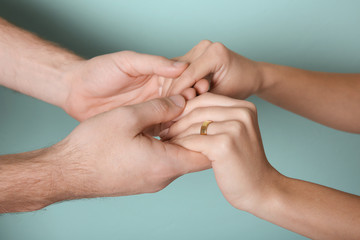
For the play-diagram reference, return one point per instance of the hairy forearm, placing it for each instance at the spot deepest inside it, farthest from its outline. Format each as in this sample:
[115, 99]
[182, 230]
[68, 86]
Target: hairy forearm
[33, 180]
[33, 66]
[27, 181]
[312, 210]
[331, 99]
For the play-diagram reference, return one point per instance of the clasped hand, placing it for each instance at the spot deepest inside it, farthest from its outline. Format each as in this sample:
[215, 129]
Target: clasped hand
[120, 157]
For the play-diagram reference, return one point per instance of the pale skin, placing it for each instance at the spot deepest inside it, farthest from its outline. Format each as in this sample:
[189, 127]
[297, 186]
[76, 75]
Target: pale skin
[249, 182]
[331, 99]
[85, 88]
[106, 155]
[244, 175]
[81, 165]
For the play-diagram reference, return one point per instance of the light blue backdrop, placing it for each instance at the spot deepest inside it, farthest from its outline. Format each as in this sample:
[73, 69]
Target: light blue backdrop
[319, 35]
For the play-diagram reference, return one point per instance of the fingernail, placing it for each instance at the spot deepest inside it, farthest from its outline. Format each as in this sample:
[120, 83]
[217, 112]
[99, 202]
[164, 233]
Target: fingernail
[179, 64]
[163, 133]
[178, 100]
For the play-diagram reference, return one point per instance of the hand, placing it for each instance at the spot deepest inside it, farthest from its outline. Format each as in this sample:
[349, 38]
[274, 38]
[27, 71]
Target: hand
[109, 81]
[233, 145]
[229, 73]
[109, 154]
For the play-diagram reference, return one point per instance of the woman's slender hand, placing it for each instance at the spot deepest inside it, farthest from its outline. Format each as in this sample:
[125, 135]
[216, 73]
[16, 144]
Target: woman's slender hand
[232, 144]
[227, 72]
[247, 180]
[331, 99]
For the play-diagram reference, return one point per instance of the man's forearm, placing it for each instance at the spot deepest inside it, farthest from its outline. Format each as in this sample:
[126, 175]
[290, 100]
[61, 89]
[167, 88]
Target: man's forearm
[332, 99]
[33, 180]
[33, 66]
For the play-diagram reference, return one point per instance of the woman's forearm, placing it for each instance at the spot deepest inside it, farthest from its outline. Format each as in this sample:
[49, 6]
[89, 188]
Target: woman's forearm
[33, 66]
[312, 210]
[332, 99]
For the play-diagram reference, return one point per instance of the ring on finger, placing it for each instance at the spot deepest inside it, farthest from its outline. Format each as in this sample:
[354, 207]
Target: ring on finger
[204, 126]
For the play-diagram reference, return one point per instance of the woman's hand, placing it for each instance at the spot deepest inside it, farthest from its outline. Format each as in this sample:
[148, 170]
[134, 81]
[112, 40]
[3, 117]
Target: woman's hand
[250, 183]
[232, 144]
[229, 73]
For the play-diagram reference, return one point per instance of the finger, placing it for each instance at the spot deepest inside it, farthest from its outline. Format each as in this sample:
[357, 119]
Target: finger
[155, 111]
[216, 114]
[195, 52]
[189, 93]
[213, 128]
[160, 129]
[197, 143]
[198, 69]
[202, 86]
[137, 64]
[188, 161]
[210, 100]
[191, 57]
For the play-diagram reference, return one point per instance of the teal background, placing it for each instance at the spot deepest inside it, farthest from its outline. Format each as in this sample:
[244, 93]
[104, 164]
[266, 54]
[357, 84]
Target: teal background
[319, 35]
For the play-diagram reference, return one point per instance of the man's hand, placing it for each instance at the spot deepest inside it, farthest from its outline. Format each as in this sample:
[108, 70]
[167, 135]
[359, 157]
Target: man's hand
[83, 88]
[118, 158]
[107, 155]
[109, 81]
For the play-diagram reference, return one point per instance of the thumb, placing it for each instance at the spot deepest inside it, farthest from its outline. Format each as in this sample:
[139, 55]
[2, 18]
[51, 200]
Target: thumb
[137, 64]
[156, 111]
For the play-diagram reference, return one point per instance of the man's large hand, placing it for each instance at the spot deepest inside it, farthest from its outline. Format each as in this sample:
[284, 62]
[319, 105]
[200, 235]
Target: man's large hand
[109, 81]
[110, 155]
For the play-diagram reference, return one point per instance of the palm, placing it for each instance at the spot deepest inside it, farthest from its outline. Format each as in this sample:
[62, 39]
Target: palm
[103, 84]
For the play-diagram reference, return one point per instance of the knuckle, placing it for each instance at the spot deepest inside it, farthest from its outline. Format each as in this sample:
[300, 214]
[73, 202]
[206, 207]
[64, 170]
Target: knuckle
[252, 107]
[127, 53]
[248, 114]
[236, 126]
[226, 143]
[245, 115]
[219, 49]
[204, 43]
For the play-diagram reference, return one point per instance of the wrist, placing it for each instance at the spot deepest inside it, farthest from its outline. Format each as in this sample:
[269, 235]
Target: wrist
[33, 66]
[54, 158]
[73, 176]
[33, 180]
[68, 73]
[268, 77]
[267, 196]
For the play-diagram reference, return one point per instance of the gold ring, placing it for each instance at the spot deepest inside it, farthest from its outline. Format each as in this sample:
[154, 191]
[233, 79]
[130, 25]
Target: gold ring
[204, 126]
